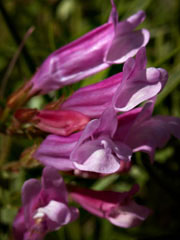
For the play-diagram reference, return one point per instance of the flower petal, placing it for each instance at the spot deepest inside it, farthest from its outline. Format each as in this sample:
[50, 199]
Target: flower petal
[116, 207]
[110, 43]
[93, 99]
[99, 162]
[60, 122]
[18, 225]
[145, 85]
[126, 46]
[53, 185]
[153, 133]
[57, 214]
[30, 193]
[55, 151]
[130, 215]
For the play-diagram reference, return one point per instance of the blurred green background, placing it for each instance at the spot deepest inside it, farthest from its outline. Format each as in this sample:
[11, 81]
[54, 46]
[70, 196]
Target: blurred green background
[56, 24]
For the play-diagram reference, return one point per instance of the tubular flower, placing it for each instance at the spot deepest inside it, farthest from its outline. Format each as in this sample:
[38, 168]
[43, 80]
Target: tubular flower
[92, 150]
[116, 207]
[44, 208]
[106, 145]
[113, 42]
[60, 122]
[148, 133]
[124, 91]
[96, 150]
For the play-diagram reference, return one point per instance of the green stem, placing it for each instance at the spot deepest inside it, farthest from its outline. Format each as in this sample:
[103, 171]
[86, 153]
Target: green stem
[29, 61]
[5, 115]
[5, 147]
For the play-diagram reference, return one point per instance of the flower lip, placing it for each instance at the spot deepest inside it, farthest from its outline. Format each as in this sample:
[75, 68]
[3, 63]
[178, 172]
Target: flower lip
[118, 208]
[111, 43]
[101, 155]
[45, 207]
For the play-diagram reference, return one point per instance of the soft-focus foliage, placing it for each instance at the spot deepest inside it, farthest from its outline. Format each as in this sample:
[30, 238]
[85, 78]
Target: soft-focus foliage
[56, 24]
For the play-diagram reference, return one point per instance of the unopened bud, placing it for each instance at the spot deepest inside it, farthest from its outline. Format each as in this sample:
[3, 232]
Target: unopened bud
[25, 115]
[61, 122]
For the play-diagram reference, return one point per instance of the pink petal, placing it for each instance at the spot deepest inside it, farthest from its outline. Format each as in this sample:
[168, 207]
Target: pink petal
[136, 19]
[18, 225]
[93, 99]
[100, 163]
[57, 214]
[116, 207]
[126, 46]
[130, 215]
[125, 122]
[55, 151]
[60, 122]
[153, 133]
[54, 185]
[75, 61]
[143, 86]
[110, 43]
[100, 156]
[30, 193]
[114, 14]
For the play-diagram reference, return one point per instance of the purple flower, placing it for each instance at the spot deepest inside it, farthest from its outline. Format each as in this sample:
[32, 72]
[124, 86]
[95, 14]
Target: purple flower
[60, 122]
[148, 133]
[55, 151]
[116, 207]
[113, 42]
[44, 208]
[96, 150]
[92, 150]
[138, 83]
[124, 90]
[106, 145]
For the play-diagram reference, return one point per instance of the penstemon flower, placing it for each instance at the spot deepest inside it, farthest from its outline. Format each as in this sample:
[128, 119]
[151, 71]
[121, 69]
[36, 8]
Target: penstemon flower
[44, 207]
[92, 150]
[123, 91]
[95, 131]
[116, 207]
[113, 42]
[106, 145]
[60, 122]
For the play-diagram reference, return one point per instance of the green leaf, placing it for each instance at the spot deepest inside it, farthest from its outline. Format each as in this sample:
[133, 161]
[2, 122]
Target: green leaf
[103, 183]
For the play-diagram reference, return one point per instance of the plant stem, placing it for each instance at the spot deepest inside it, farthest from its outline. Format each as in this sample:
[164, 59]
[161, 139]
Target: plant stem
[13, 62]
[5, 147]
[29, 61]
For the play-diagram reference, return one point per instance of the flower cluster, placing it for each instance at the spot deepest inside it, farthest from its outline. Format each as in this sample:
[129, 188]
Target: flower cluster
[96, 130]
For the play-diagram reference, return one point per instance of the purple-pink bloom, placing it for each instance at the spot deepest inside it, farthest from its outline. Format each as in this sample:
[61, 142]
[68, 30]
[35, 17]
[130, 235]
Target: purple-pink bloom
[93, 150]
[106, 145]
[55, 151]
[45, 207]
[148, 133]
[138, 83]
[60, 122]
[116, 207]
[124, 91]
[113, 42]
[96, 150]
